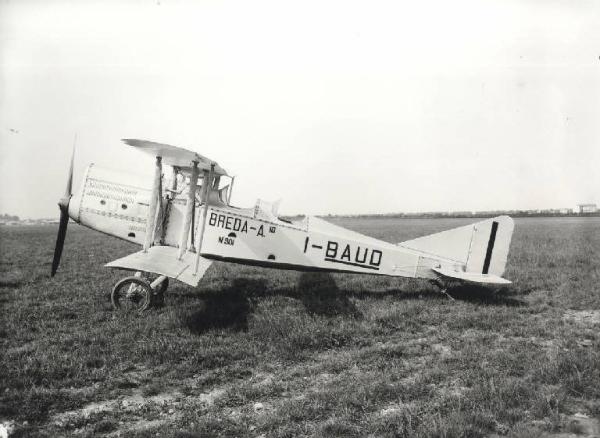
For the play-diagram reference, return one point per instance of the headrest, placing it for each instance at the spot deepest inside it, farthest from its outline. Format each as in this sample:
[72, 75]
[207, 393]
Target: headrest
[266, 210]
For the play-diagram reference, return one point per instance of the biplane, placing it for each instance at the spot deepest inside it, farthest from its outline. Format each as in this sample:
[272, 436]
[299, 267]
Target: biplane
[183, 220]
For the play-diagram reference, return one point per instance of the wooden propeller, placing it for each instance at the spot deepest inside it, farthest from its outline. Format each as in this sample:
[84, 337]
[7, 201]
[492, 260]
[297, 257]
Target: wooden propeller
[63, 205]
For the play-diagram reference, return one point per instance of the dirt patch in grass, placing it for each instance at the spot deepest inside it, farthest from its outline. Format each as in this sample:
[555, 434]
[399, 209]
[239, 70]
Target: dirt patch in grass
[583, 317]
[209, 398]
[129, 403]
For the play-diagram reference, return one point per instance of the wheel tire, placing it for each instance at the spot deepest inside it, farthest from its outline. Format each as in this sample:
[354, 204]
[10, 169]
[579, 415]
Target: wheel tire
[132, 294]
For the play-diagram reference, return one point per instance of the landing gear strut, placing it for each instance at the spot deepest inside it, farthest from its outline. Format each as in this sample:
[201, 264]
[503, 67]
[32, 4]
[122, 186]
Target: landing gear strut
[159, 287]
[136, 294]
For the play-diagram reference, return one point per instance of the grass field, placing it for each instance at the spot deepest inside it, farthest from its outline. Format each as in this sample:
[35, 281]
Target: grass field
[257, 352]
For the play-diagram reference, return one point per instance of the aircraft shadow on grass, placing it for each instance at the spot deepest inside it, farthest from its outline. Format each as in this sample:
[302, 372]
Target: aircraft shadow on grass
[501, 297]
[8, 284]
[230, 308]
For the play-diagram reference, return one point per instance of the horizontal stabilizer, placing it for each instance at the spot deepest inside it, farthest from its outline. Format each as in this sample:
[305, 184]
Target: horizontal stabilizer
[163, 260]
[470, 277]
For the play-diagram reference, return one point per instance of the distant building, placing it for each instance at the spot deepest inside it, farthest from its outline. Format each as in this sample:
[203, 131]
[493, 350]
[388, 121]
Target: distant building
[587, 208]
[566, 211]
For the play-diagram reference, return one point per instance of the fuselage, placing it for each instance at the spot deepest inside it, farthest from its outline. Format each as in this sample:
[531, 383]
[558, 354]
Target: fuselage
[116, 203]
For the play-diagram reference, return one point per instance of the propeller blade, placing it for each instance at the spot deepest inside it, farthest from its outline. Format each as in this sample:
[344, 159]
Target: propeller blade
[69, 189]
[60, 238]
[63, 205]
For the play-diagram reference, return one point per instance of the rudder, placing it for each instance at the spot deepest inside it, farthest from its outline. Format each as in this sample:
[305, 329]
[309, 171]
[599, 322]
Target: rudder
[489, 246]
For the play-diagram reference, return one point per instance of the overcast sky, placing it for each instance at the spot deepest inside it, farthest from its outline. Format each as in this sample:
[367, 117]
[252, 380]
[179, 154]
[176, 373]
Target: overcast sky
[334, 106]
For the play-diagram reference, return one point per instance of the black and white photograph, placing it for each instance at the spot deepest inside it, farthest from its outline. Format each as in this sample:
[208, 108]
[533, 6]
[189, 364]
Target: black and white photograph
[272, 219]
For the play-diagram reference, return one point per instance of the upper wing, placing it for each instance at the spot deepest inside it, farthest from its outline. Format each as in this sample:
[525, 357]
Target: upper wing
[175, 156]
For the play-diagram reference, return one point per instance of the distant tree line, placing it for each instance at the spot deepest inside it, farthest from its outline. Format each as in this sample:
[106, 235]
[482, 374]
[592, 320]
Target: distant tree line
[469, 214]
[8, 217]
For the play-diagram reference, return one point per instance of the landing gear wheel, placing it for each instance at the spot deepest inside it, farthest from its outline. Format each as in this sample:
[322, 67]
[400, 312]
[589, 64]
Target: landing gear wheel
[131, 294]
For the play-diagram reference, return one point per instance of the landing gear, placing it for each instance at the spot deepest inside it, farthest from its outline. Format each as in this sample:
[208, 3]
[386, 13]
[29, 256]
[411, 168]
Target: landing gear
[136, 294]
[159, 287]
[131, 294]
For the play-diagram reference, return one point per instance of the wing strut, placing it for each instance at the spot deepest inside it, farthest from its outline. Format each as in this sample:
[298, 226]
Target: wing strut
[185, 230]
[206, 192]
[151, 218]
